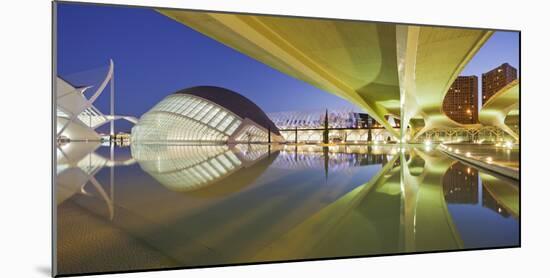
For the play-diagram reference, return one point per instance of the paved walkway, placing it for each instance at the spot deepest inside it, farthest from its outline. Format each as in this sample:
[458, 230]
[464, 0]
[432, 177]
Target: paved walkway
[500, 160]
[502, 156]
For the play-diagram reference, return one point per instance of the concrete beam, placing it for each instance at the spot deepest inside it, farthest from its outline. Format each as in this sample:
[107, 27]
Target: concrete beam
[495, 110]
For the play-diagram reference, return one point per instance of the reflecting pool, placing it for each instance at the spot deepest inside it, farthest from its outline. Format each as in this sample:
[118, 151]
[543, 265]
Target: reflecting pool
[158, 206]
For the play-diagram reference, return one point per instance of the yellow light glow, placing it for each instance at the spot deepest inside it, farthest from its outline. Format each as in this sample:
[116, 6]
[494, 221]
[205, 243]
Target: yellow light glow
[509, 144]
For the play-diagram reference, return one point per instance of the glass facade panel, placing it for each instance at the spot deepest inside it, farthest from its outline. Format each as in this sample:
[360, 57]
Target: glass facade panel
[218, 118]
[203, 112]
[225, 122]
[233, 127]
[210, 115]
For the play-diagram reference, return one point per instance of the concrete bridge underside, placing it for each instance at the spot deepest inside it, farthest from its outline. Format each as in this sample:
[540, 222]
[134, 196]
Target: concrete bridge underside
[385, 69]
[497, 108]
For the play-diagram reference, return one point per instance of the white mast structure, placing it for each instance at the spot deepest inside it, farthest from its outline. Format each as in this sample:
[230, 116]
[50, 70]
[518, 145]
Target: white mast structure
[112, 100]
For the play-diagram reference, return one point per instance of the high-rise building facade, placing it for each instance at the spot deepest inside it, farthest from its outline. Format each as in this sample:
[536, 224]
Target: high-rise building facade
[495, 79]
[460, 103]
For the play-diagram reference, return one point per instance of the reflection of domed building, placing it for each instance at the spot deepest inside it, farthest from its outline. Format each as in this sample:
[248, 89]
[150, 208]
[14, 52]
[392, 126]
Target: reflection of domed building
[204, 170]
[205, 114]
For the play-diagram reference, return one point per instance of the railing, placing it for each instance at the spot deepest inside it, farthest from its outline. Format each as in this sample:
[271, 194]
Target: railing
[474, 134]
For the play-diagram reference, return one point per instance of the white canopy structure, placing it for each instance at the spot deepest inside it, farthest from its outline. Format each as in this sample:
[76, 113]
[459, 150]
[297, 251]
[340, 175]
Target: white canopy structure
[76, 116]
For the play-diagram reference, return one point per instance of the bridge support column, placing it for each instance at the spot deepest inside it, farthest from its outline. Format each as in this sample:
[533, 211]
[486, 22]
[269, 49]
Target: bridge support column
[407, 44]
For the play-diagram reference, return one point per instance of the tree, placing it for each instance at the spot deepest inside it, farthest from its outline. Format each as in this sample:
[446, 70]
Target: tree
[325, 132]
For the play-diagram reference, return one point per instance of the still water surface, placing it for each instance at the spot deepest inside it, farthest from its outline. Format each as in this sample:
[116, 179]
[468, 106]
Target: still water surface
[157, 206]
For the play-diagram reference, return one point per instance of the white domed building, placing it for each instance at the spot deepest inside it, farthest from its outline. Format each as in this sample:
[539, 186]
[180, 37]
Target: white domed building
[205, 114]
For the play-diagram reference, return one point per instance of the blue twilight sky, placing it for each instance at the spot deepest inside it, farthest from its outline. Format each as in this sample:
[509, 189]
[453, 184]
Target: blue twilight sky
[155, 56]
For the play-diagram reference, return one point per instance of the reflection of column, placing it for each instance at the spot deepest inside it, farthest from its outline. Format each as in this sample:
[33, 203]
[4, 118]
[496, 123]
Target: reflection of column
[409, 191]
[402, 231]
[436, 227]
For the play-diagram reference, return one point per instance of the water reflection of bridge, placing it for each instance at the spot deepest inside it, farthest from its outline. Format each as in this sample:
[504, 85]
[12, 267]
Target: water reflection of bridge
[334, 158]
[286, 214]
[402, 209]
